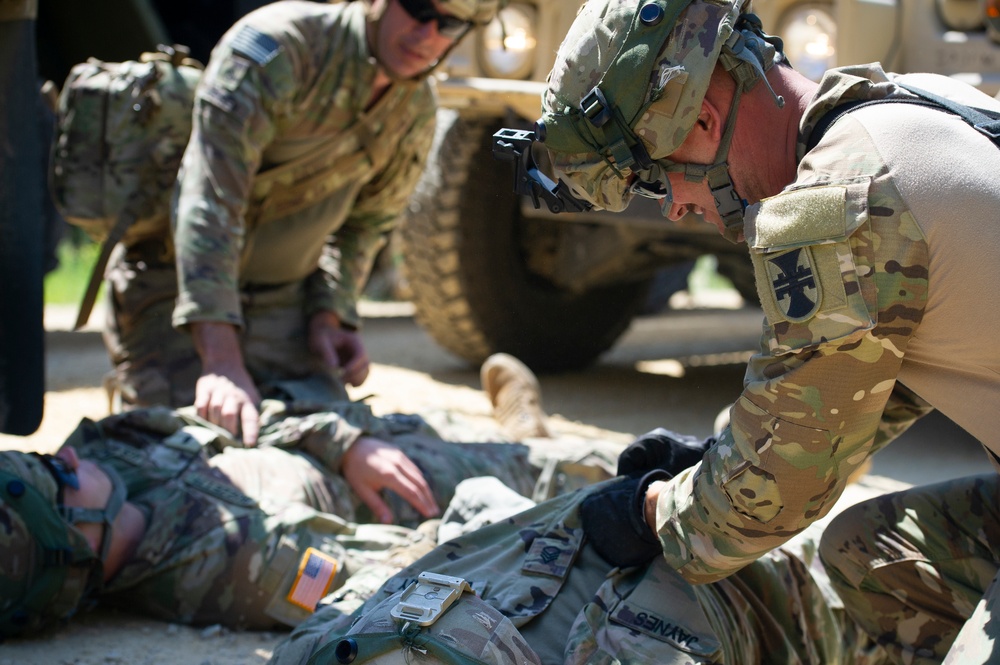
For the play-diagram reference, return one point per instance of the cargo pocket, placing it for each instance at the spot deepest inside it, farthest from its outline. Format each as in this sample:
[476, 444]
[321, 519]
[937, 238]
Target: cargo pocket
[799, 455]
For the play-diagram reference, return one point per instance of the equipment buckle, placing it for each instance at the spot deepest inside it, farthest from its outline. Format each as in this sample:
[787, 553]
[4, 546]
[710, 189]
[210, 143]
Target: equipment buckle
[595, 107]
[425, 600]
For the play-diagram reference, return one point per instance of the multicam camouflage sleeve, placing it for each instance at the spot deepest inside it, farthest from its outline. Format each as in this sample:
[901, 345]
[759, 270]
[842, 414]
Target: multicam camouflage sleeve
[286, 80]
[324, 431]
[903, 409]
[841, 270]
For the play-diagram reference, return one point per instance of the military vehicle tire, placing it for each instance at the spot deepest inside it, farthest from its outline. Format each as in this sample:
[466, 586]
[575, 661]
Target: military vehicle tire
[471, 286]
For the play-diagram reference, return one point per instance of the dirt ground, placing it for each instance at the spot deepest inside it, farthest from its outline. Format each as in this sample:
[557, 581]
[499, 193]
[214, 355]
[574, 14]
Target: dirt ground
[675, 371]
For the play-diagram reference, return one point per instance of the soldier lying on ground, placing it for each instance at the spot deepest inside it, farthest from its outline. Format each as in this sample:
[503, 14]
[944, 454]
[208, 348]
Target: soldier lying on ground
[535, 588]
[156, 510]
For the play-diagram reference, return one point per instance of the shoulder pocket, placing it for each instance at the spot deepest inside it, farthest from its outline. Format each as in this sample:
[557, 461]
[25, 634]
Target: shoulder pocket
[802, 247]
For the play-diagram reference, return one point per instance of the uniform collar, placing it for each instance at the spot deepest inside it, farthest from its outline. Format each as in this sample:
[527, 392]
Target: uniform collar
[839, 86]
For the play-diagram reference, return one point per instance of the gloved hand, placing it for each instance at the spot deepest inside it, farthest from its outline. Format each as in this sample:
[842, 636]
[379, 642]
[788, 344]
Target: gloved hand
[662, 449]
[615, 523]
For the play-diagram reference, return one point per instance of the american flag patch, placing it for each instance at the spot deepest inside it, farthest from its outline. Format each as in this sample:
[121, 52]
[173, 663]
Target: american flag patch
[316, 572]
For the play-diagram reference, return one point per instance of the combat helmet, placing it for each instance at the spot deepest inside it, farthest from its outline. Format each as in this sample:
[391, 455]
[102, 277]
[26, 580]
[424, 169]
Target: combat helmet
[626, 89]
[47, 567]
[479, 12]
[437, 619]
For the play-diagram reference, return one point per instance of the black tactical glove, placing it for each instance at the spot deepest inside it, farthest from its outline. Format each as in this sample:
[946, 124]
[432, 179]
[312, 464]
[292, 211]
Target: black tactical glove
[662, 449]
[615, 522]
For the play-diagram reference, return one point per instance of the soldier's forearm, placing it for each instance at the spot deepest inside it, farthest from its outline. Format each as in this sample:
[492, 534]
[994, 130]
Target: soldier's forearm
[217, 344]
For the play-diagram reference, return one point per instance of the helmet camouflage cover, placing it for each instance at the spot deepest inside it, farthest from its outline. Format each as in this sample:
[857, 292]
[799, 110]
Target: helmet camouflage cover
[628, 83]
[480, 12]
[468, 631]
[46, 565]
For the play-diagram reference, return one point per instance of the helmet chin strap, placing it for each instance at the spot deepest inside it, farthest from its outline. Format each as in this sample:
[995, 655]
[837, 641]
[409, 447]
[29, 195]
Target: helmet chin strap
[105, 516]
[741, 57]
[728, 202]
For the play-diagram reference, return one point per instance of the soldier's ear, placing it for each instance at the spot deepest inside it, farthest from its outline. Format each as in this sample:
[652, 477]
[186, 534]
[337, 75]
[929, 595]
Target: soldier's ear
[702, 142]
[68, 455]
[710, 121]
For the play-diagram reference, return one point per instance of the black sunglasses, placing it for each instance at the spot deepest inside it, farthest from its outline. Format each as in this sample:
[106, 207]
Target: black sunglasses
[424, 11]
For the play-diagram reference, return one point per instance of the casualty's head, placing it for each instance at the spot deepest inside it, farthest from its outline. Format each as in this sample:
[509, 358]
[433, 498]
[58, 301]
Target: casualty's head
[627, 87]
[48, 564]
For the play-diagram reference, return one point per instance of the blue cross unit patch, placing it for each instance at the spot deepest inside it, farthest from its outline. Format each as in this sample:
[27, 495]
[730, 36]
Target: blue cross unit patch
[794, 284]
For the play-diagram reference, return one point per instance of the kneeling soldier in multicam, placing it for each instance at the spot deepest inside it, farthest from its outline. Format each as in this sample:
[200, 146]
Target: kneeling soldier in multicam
[866, 201]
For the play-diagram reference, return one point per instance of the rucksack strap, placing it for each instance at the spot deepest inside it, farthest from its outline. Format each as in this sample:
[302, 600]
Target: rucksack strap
[115, 235]
[984, 121]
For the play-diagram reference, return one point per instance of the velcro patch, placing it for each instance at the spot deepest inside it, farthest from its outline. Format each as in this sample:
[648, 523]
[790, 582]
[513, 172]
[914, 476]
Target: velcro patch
[316, 573]
[255, 46]
[189, 439]
[665, 608]
[802, 217]
[549, 556]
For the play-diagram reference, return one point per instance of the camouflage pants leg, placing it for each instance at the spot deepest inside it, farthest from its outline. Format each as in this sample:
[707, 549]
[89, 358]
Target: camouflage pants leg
[154, 363]
[158, 365]
[912, 566]
[979, 639]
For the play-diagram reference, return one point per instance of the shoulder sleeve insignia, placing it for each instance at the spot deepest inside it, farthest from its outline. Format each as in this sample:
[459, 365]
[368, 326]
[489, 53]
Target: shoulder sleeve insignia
[802, 244]
[794, 284]
[255, 46]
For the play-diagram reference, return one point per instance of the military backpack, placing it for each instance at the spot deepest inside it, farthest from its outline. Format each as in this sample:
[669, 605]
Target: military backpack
[121, 129]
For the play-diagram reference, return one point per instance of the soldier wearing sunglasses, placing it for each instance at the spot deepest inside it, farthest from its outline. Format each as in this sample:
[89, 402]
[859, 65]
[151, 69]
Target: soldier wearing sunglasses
[258, 283]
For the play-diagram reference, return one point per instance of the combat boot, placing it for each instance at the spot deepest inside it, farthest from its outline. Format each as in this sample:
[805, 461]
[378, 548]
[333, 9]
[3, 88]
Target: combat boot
[516, 396]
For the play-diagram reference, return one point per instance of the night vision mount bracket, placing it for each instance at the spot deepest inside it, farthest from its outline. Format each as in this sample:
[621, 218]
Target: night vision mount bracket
[514, 145]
